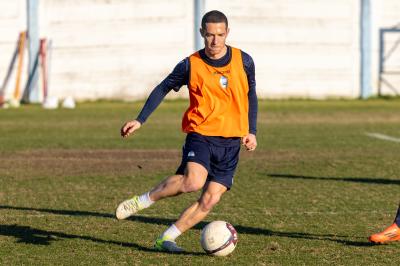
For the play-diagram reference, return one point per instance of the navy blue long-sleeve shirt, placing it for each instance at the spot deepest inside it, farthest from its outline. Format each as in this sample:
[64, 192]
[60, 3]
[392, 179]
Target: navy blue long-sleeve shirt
[180, 77]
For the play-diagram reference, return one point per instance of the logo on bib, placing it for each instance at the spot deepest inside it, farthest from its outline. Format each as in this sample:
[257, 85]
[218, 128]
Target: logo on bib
[223, 81]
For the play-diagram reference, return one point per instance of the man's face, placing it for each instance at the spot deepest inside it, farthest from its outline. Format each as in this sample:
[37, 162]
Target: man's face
[214, 36]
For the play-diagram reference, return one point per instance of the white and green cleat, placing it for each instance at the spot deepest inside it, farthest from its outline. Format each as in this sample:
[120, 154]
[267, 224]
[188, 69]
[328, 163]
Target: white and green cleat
[128, 208]
[166, 245]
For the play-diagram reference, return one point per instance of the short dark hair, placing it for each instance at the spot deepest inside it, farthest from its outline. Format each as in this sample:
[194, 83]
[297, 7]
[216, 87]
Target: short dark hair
[213, 16]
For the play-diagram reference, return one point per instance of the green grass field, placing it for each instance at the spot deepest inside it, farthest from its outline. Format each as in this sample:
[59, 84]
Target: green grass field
[311, 194]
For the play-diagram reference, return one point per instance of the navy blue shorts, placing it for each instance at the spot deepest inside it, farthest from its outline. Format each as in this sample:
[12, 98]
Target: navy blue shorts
[219, 160]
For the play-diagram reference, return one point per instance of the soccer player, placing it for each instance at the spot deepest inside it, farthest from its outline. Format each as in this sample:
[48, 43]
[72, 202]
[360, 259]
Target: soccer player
[392, 233]
[222, 115]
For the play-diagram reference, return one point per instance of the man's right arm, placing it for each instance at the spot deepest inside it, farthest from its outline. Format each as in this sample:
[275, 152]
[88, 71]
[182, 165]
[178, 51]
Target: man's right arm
[174, 81]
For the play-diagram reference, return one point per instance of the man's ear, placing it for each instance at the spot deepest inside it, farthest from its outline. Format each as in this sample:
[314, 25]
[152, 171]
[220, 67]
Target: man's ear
[201, 32]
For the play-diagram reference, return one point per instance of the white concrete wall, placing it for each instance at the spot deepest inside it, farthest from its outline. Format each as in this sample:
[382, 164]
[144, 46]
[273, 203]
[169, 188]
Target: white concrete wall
[301, 48]
[115, 49]
[121, 49]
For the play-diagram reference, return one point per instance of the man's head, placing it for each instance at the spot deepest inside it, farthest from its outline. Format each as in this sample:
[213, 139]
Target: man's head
[214, 29]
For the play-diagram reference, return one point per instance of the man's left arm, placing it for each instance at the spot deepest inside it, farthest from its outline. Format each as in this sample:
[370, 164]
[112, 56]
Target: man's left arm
[250, 141]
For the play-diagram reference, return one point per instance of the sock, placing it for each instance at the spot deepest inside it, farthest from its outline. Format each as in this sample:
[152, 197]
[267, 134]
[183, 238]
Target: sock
[171, 233]
[145, 200]
[397, 219]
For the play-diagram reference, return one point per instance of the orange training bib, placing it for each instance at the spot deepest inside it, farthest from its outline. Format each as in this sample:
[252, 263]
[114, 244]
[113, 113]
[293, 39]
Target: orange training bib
[218, 98]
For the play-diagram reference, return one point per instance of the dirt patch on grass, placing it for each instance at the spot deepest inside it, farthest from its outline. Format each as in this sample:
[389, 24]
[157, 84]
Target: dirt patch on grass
[121, 162]
[116, 162]
[44, 163]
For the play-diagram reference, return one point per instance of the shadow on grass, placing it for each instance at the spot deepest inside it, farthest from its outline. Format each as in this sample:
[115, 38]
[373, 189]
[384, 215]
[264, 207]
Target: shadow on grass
[344, 179]
[31, 233]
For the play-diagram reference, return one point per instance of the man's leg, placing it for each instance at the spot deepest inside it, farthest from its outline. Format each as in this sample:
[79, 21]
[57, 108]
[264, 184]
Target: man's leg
[222, 179]
[199, 210]
[192, 180]
[391, 233]
[191, 216]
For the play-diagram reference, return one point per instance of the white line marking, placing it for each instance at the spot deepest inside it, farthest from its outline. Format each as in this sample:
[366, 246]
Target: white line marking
[383, 137]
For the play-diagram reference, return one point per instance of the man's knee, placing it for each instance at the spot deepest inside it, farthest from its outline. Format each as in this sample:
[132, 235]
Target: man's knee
[194, 178]
[209, 200]
[192, 182]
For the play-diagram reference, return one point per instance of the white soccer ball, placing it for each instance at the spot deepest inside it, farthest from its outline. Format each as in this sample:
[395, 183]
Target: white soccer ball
[219, 238]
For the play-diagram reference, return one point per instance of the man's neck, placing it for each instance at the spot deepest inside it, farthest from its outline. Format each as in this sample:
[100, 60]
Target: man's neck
[217, 56]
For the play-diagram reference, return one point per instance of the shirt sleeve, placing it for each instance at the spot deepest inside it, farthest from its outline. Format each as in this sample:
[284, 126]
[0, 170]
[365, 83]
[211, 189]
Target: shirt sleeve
[174, 81]
[249, 68]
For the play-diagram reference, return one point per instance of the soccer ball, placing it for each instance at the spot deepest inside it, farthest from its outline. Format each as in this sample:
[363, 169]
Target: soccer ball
[219, 238]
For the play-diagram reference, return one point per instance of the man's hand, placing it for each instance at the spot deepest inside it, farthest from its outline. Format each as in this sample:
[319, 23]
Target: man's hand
[130, 127]
[250, 142]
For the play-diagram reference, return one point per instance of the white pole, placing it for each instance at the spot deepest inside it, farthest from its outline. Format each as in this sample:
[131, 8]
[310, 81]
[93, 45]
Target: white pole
[199, 8]
[32, 95]
[365, 47]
